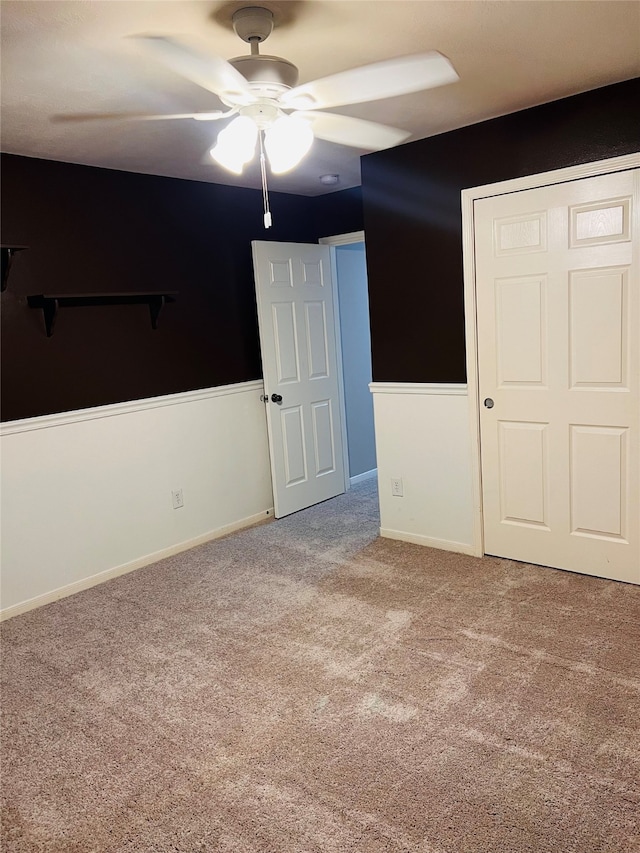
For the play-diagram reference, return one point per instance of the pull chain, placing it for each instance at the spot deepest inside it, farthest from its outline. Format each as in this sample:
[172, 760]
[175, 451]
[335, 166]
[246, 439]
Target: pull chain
[265, 192]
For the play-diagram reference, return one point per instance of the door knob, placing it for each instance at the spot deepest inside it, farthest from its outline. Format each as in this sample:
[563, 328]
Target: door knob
[488, 403]
[276, 398]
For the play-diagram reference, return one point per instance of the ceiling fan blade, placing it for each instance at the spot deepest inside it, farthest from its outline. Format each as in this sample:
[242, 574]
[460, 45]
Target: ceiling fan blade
[212, 115]
[211, 72]
[373, 82]
[356, 132]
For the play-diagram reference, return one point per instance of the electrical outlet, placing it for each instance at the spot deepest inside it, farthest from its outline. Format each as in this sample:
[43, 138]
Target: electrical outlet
[396, 487]
[176, 497]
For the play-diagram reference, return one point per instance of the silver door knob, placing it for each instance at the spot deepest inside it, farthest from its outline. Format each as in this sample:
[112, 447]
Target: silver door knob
[488, 403]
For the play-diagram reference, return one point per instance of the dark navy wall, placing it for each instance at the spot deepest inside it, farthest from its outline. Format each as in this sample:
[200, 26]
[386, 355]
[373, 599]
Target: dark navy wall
[94, 230]
[102, 231]
[413, 218]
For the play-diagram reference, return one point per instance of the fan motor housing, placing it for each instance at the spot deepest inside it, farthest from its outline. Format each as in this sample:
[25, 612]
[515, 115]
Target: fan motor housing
[268, 71]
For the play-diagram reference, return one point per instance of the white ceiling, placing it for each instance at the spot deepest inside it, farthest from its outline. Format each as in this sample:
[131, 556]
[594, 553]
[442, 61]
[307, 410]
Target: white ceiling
[73, 57]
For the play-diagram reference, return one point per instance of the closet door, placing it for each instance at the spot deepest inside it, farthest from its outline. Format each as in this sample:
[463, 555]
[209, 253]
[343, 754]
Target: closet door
[558, 303]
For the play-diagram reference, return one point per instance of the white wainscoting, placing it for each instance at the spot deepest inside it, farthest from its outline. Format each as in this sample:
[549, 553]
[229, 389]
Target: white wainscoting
[86, 495]
[422, 437]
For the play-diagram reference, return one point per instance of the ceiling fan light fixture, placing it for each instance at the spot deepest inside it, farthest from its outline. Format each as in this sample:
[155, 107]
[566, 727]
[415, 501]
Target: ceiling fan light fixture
[286, 142]
[262, 90]
[236, 144]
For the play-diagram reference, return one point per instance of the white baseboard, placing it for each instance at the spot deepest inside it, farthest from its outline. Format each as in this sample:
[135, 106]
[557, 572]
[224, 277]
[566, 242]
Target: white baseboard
[101, 577]
[366, 475]
[418, 539]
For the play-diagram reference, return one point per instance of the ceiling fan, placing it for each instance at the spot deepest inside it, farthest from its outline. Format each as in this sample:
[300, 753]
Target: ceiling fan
[277, 115]
[263, 88]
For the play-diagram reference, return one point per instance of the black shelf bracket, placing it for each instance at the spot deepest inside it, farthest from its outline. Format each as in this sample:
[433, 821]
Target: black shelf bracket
[8, 254]
[50, 304]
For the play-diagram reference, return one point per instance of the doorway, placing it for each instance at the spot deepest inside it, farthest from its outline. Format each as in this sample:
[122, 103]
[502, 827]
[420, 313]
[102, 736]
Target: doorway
[355, 352]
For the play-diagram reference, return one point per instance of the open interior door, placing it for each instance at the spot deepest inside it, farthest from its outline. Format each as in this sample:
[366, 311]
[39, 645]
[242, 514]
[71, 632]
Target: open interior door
[299, 361]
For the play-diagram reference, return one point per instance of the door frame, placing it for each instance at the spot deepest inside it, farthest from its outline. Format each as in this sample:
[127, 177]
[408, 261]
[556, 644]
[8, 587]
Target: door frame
[469, 196]
[332, 242]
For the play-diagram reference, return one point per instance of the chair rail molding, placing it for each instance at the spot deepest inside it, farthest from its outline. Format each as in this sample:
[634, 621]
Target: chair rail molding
[114, 409]
[434, 388]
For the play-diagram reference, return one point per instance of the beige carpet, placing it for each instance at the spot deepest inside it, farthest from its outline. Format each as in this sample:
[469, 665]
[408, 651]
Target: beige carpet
[304, 687]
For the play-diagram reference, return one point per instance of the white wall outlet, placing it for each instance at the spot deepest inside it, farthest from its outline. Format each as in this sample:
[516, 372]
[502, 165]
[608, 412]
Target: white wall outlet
[176, 497]
[396, 487]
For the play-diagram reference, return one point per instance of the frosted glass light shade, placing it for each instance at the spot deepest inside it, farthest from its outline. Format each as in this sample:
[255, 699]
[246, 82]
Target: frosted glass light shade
[236, 144]
[286, 142]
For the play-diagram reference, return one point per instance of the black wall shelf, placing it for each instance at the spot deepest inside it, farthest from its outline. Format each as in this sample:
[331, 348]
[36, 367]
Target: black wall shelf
[50, 304]
[8, 254]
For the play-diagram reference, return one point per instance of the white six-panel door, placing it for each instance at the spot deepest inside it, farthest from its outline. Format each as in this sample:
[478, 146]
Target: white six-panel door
[298, 345]
[558, 323]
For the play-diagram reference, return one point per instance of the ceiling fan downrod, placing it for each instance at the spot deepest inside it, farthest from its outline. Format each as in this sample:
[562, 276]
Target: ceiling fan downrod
[269, 76]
